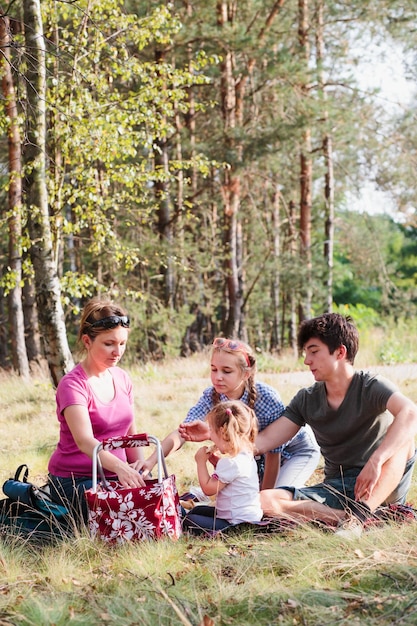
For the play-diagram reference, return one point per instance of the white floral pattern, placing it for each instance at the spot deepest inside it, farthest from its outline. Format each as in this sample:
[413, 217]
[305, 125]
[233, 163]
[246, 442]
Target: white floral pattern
[130, 441]
[137, 514]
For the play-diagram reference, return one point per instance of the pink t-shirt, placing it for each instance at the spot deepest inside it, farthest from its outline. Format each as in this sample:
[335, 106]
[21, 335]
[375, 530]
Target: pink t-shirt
[112, 419]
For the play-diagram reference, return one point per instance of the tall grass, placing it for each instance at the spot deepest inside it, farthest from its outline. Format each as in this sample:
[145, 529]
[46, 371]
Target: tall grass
[303, 576]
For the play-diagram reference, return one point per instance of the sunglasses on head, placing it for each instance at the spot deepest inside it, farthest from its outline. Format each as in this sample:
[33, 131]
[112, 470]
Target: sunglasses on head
[111, 322]
[231, 344]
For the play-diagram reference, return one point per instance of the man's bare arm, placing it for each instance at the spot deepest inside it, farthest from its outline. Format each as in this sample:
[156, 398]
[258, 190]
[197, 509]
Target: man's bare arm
[400, 435]
[275, 435]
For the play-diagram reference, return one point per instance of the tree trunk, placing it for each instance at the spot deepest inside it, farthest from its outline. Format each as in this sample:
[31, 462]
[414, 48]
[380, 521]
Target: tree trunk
[231, 181]
[17, 329]
[293, 295]
[275, 345]
[47, 287]
[3, 334]
[328, 159]
[233, 92]
[163, 197]
[32, 334]
[305, 172]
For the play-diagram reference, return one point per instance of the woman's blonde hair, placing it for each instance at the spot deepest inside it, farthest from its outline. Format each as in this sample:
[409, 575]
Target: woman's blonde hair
[236, 423]
[246, 360]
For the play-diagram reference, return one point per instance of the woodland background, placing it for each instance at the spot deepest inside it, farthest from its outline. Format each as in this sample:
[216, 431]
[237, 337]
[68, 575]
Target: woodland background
[197, 161]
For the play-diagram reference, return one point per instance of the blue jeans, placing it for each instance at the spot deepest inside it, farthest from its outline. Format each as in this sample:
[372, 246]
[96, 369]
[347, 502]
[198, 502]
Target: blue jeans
[299, 459]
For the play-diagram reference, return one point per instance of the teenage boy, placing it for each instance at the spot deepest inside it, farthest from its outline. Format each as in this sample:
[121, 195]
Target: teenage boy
[364, 425]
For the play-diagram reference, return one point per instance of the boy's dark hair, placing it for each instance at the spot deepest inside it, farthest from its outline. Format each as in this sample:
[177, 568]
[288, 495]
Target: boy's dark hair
[334, 330]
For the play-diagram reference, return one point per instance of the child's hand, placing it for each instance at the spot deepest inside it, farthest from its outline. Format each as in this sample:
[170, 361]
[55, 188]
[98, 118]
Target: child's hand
[214, 455]
[203, 454]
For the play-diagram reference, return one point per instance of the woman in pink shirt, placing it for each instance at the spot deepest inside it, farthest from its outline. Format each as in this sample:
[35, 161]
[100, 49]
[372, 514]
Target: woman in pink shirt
[94, 402]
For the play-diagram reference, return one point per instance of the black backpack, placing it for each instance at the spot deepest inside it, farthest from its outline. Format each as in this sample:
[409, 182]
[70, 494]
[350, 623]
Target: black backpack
[29, 512]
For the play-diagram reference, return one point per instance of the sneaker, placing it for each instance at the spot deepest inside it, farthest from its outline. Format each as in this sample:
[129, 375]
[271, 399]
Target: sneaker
[350, 528]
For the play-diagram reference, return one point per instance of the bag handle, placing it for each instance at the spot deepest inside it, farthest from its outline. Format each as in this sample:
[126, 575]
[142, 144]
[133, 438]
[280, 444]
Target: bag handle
[129, 441]
[22, 473]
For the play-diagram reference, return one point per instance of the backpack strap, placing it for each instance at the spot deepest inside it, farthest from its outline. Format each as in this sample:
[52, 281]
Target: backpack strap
[22, 473]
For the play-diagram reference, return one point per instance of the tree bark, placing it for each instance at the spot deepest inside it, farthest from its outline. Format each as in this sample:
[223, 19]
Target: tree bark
[275, 345]
[233, 92]
[306, 171]
[293, 296]
[328, 159]
[16, 319]
[32, 334]
[231, 180]
[47, 287]
[163, 197]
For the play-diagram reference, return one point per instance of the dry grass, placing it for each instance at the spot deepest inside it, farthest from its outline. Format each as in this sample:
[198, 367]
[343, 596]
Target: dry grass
[303, 577]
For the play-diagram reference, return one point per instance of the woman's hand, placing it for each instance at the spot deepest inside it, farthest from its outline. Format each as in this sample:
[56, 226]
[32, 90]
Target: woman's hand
[128, 476]
[143, 467]
[194, 431]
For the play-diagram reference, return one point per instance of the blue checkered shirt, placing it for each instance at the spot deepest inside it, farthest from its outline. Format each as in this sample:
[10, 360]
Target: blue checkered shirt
[268, 407]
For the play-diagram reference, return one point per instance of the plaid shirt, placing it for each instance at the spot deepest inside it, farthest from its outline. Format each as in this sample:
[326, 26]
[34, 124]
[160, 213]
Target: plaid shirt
[268, 407]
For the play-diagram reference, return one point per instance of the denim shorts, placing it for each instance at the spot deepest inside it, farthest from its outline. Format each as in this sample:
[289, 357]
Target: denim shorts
[339, 492]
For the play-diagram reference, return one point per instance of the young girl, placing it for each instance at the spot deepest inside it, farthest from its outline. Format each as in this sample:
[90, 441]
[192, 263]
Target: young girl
[233, 428]
[233, 369]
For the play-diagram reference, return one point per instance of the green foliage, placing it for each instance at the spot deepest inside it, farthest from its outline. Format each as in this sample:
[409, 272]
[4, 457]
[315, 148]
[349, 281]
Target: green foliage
[76, 287]
[107, 179]
[145, 140]
[363, 316]
[375, 264]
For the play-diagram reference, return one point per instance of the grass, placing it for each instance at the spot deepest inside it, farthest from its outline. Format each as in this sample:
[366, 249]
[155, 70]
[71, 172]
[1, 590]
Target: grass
[304, 576]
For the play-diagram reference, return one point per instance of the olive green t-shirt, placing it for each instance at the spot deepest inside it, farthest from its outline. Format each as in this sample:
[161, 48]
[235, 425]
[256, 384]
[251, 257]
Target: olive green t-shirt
[348, 435]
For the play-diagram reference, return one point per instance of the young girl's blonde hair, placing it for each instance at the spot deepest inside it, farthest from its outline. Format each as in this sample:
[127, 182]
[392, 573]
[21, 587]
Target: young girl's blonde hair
[236, 423]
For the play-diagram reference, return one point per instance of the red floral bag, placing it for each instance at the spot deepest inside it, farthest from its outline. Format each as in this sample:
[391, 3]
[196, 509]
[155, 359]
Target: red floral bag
[118, 514]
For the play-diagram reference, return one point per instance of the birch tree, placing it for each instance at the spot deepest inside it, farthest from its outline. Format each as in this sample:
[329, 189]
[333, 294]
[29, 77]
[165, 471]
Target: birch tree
[47, 286]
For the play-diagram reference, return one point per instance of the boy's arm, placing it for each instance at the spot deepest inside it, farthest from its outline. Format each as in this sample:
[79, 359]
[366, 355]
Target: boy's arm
[399, 435]
[276, 434]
